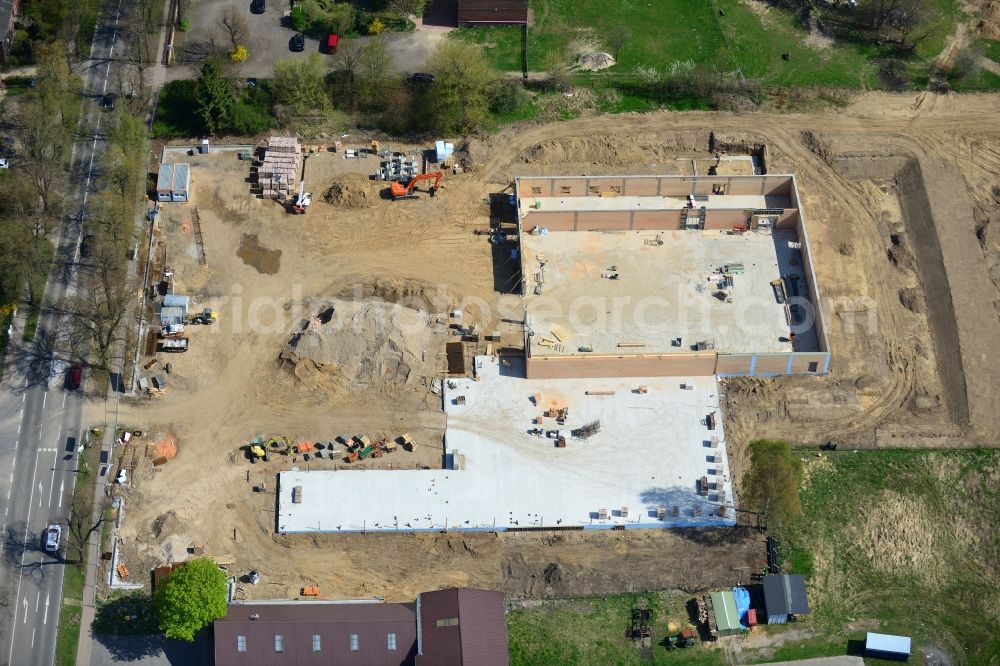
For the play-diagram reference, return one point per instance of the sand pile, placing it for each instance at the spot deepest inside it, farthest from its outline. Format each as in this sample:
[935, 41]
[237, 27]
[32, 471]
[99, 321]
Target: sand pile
[165, 449]
[352, 191]
[368, 343]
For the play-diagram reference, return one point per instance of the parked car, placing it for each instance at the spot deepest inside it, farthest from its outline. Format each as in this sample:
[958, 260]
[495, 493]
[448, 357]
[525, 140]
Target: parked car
[422, 77]
[257, 6]
[108, 102]
[53, 535]
[75, 377]
[87, 246]
[298, 42]
[4, 164]
[332, 41]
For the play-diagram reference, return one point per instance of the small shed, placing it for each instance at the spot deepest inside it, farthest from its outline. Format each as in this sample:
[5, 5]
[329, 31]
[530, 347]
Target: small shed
[181, 183]
[177, 301]
[784, 597]
[163, 180]
[171, 316]
[727, 618]
[887, 646]
[477, 13]
[443, 150]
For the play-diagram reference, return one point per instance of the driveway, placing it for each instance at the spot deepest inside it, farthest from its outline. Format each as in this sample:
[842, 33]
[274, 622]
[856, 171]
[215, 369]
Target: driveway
[270, 33]
[151, 651]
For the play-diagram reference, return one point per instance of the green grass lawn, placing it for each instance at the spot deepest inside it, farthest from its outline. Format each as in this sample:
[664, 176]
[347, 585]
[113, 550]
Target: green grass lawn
[31, 322]
[992, 47]
[895, 541]
[592, 631]
[908, 539]
[17, 85]
[68, 636]
[739, 38]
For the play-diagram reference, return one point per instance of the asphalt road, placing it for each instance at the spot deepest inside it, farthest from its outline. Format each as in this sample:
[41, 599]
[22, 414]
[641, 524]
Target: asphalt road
[41, 421]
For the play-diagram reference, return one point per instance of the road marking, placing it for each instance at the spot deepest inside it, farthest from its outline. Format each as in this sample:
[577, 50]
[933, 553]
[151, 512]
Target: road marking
[32, 637]
[39, 487]
[45, 396]
[18, 428]
[64, 400]
[52, 483]
[59, 436]
[62, 487]
[25, 609]
[38, 600]
[45, 617]
[23, 396]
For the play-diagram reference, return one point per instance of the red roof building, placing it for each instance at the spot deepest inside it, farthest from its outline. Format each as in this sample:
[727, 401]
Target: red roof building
[473, 13]
[449, 627]
[461, 628]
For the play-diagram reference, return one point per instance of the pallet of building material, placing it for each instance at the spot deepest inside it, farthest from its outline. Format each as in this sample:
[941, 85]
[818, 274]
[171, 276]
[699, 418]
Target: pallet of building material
[122, 570]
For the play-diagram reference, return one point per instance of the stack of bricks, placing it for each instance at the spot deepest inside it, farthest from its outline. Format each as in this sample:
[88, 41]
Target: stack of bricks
[276, 174]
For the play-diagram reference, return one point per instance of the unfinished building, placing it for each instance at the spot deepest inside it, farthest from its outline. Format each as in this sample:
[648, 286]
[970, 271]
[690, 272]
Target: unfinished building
[643, 276]
[674, 280]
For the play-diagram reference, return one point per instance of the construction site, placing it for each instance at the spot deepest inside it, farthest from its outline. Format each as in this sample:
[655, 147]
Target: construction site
[481, 371]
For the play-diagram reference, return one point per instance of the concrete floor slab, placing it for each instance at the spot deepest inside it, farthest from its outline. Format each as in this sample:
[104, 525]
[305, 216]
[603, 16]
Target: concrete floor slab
[662, 292]
[652, 450]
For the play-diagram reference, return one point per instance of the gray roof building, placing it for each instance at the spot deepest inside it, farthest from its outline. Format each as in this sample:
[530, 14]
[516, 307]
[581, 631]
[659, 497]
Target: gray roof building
[784, 595]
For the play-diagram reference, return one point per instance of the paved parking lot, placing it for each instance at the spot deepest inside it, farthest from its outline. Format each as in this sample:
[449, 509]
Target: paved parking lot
[271, 33]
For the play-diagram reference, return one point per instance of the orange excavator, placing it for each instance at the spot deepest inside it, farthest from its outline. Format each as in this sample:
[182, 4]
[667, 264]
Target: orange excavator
[399, 191]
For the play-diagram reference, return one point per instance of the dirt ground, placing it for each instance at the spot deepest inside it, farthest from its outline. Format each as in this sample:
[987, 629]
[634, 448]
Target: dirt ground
[902, 373]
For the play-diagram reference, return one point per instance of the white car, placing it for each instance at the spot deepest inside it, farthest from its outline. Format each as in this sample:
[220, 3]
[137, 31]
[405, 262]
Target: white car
[4, 164]
[53, 533]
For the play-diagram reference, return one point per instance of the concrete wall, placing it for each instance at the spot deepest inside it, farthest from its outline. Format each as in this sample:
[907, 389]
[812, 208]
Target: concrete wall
[814, 296]
[680, 364]
[623, 365]
[652, 220]
[678, 186]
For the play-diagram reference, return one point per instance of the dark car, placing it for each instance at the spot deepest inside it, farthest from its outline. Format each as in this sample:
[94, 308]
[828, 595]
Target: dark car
[108, 102]
[257, 6]
[87, 246]
[298, 42]
[75, 377]
[422, 77]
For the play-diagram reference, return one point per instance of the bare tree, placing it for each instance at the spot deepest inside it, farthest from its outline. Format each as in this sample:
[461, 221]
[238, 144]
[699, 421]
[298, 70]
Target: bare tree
[46, 123]
[98, 311]
[618, 36]
[234, 24]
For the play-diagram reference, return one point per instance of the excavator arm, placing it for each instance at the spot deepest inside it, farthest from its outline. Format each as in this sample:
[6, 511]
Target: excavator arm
[399, 191]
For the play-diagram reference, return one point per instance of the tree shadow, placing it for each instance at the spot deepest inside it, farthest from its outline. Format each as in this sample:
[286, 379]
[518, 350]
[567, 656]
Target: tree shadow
[135, 648]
